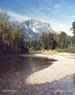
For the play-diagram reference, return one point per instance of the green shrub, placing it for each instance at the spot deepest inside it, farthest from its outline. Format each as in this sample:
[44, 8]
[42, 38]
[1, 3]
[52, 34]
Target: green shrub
[69, 50]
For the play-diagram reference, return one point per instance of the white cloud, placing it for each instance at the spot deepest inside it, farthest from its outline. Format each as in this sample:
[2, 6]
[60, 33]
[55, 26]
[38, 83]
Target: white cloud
[73, 17]
[16, 16]
[48, 9]
[57, 6]
[58, 26]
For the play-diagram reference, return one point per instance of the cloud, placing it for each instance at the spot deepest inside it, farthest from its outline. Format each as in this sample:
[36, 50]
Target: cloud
[16, 16]
[73, 17]
[57, 6]
[56, 25]
[61, 26]
[47, 9]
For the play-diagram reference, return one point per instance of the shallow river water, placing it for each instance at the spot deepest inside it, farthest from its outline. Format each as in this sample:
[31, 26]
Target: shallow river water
[14, 71]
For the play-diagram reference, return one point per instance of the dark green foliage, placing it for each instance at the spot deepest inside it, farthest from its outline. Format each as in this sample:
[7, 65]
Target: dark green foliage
[33, 45]
[63, 40]
[36, 45]
[69, 50]
[73, 29]
[3, 16]
[51, 41]
[11, 40]
[48, 41]
[73, 41]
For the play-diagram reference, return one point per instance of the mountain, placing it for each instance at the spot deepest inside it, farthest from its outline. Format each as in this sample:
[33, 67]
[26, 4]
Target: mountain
[32, 28]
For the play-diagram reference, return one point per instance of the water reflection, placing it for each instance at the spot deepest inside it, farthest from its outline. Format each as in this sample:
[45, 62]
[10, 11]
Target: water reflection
[14, 70]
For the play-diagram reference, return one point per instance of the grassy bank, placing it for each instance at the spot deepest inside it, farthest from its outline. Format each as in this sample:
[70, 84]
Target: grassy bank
[52, 52]
[46, 52]
[49, 52]
[69, 50]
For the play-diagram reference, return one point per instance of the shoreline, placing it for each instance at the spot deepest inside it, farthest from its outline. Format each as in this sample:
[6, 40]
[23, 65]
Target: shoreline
[63, 67]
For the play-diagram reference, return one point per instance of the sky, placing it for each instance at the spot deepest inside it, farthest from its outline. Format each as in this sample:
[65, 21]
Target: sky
[59, 13]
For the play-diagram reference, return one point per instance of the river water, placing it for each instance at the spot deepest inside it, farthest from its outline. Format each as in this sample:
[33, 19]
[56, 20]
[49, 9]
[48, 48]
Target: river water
[13, 73]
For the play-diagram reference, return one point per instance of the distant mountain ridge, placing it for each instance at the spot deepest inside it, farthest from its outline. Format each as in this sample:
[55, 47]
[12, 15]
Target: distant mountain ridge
[32, 28]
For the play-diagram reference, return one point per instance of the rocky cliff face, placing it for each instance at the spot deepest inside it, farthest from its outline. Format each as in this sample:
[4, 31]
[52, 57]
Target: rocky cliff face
[32, 28]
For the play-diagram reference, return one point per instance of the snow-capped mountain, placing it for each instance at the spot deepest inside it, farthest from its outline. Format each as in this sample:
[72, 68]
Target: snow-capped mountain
[32, 28]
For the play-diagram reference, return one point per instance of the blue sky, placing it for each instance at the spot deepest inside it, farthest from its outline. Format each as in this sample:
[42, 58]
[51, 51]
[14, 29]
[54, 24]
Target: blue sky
[59, 13]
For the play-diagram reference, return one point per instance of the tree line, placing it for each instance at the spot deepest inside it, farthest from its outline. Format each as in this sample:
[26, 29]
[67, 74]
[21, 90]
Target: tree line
[52, 41]
[11, 40]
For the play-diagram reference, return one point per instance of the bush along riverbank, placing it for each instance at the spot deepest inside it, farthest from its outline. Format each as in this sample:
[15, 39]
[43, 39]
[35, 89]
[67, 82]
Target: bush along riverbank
[68, 50]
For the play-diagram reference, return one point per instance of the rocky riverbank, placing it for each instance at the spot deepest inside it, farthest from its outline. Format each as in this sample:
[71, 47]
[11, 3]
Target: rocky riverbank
[64, 66]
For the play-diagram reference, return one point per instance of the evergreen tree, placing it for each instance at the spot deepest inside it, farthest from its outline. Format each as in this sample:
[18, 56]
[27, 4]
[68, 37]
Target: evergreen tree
[73, 29]
[11, 40]
[63, 40]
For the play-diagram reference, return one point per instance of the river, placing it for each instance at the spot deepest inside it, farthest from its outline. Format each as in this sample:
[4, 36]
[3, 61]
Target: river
[13, 73]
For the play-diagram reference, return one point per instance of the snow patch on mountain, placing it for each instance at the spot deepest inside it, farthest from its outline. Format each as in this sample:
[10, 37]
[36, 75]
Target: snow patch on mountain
[32, 28]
